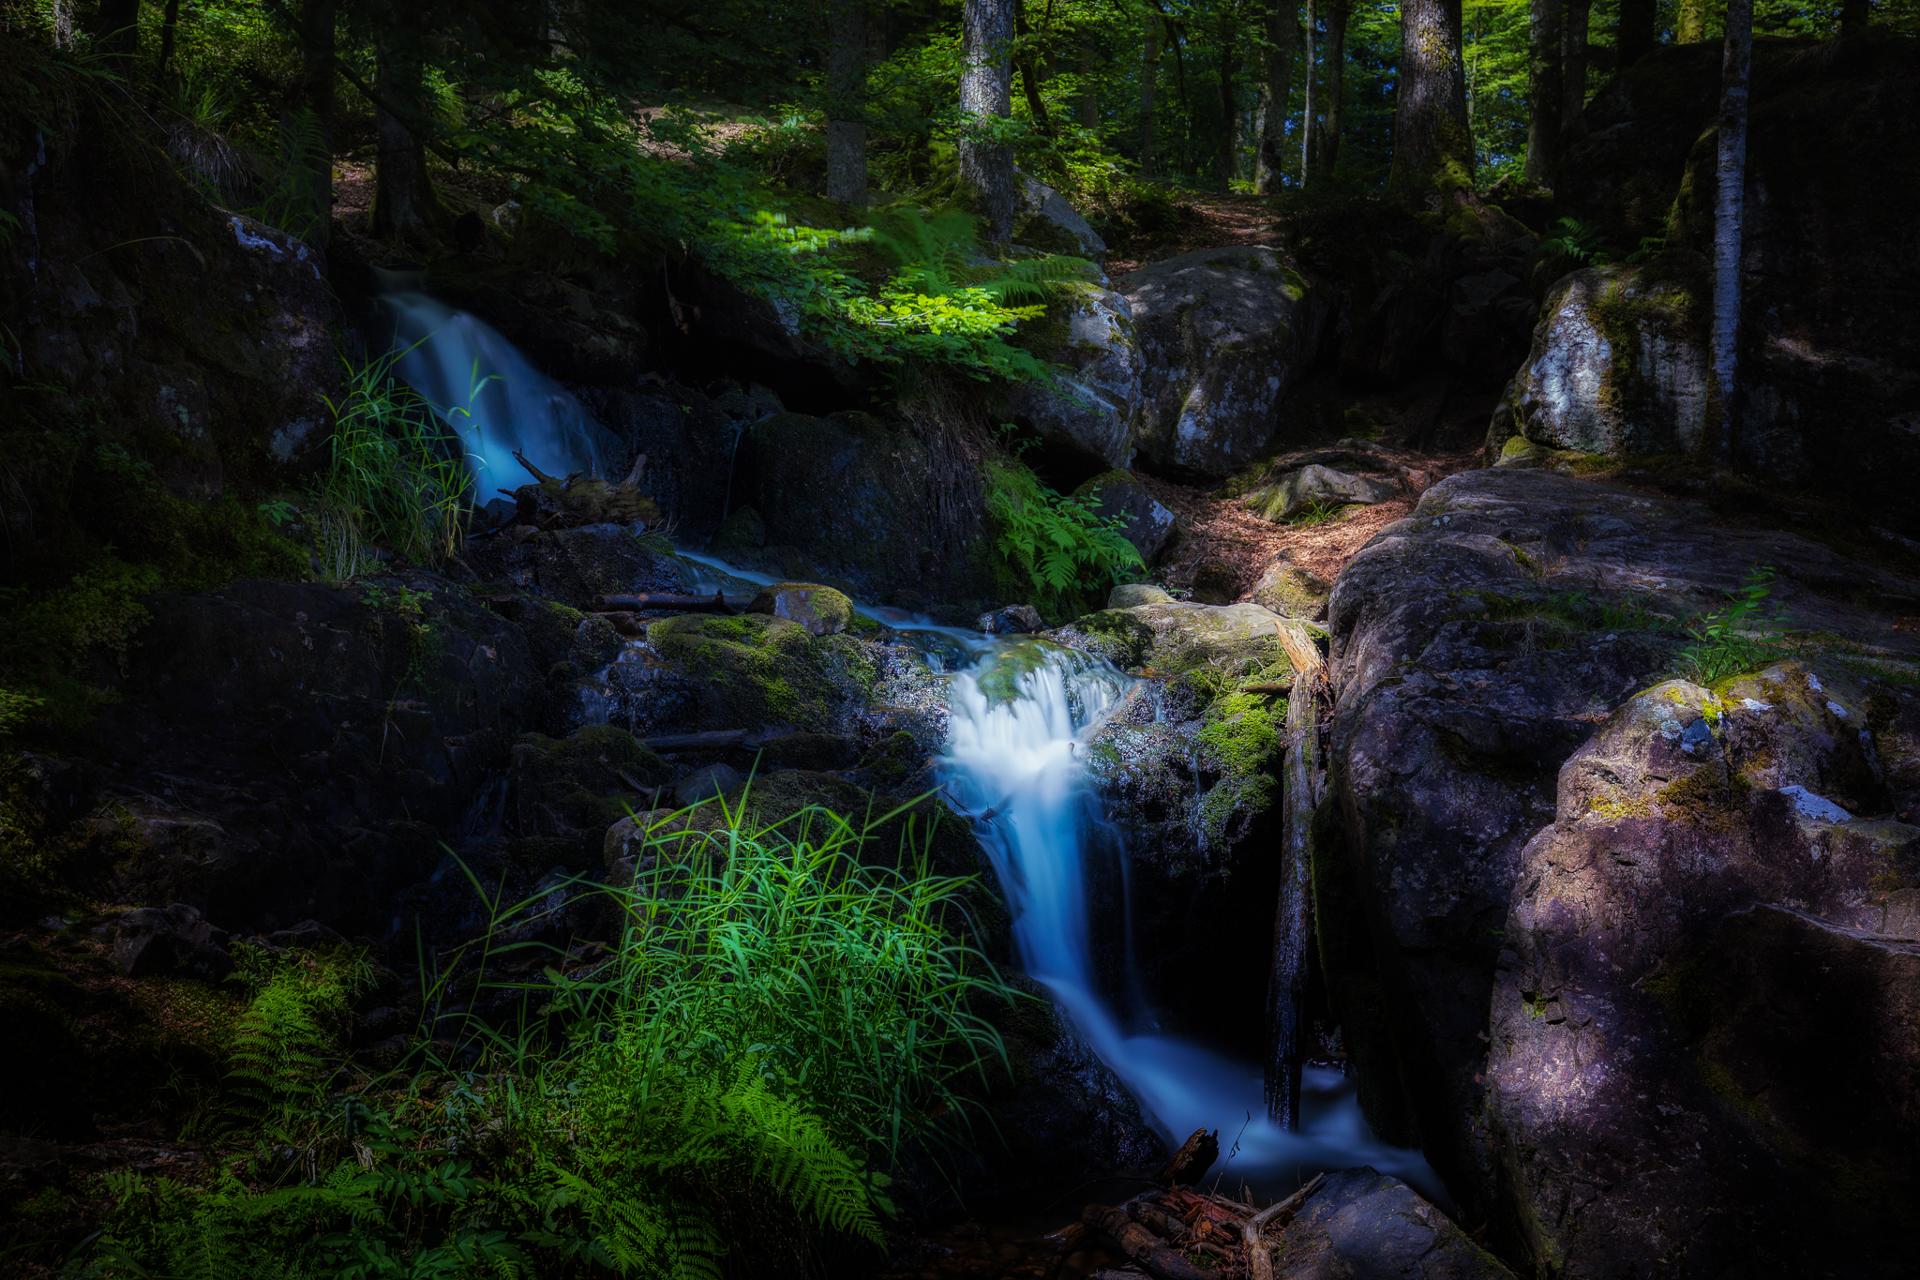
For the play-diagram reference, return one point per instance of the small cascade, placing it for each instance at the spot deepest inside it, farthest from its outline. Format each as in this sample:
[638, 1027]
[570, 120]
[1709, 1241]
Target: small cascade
[485, 389]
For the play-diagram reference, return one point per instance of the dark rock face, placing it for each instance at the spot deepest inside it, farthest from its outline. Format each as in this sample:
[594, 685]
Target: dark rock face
[285, 751]
[1706, 1002]
[892, 512]
[207, 335]
[577, 566]
[1476, 646]
[1150, 525]
[1225, 333]
[1359, 1223]
[1095, 404]
[1830, 392]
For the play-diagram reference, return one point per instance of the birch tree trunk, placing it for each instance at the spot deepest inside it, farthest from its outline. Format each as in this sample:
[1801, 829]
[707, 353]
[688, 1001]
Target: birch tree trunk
[1311, 106]
[1690, 22]
[1729, 215]
[986, 96]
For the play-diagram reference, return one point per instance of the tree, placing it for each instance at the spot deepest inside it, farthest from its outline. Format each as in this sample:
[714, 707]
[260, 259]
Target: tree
[1576, 16]
[1633, 32]
[986, 99]
[116, 29]
[1027, 60]
[1854, 15]
[1729, 215]
[846, 101]
[1225, 27]
[1281, 23]
[316, 34]
[1690, 22]
[1309, 93]
[1323, 133]
[1149, 83]
[1543, 91]
[1432, 146]
[403, 199]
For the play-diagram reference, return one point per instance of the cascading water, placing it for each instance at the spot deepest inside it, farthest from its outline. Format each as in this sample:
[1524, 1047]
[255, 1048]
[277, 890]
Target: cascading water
[485, 389]
[1020, 718]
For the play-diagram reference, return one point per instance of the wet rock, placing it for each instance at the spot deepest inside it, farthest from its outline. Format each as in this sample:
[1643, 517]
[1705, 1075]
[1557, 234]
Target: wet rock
[1015, 619]
[1476, 646]
[1225, 333]
[752, 672]
[573, 788]
[1362, 1223]
[1149, 524]
[577, 566]
[1093, 404]
[1168, 637]
[821, 610]
[1694, 988]
[705, 783]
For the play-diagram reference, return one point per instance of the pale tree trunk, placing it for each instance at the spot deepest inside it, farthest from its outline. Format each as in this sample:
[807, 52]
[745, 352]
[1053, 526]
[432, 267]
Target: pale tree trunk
[1223, 160]
[1633, 33]
[1573, 69]
[1543, 91]
[1310, 91]
[316, 92]
[63, 24]
[1729, 215]
[986, 96]
[1690, 22]
[846, 101]
[1149, 86]
[1432, 147]
[403, 199]
[1854, 15]
[1283, 45]
[1325, 142]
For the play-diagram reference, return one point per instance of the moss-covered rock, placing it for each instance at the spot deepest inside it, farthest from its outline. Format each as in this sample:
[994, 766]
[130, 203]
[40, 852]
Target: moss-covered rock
[823, 611]
[754, 670]
[578, 786]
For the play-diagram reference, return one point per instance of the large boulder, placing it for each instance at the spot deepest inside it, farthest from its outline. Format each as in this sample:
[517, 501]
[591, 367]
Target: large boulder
[1475, 646]
[577, 566]
[1361, 1223]
[1225, 333]
[1149, 524]
[1044, 219]
[1828, 392]
[1706, 1020]
[1091, 405]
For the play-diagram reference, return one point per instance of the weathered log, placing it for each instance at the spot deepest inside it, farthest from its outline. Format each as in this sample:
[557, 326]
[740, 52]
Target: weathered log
[1195, 1156]
[1259, 1257]
[1300, 781]
[705, 740]
[1146, 1250]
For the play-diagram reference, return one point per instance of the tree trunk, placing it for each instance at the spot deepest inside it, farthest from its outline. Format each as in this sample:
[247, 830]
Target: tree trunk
[1544, 92]
[846, 102]
[1283, 41]
[316, 92]
[1301, 781]
[1573, 69]
[1223, 159]
[1029, 64]
[63, 24]
[1333, 91]
[1633, 34]
[1432, 147]
[1149, 85]
[986, 95]
[1310, 92]
[169, 25]
[1690, 22]
[1086, 101]
[1854, 15]
[116, 30]
[1729, 214]
[403, 199]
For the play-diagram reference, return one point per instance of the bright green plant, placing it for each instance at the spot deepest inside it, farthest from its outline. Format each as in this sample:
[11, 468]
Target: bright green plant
[1578, 241]
[1738, 638]
[1064, 547]
[395, 476]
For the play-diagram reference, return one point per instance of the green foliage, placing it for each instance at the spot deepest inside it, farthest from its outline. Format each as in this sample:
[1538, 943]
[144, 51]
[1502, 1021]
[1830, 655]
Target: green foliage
[774, 1024]
[1062, 545]
[1737, 638]
[395, 476]
[1578, 242]
[1318, 511]
[289, 196]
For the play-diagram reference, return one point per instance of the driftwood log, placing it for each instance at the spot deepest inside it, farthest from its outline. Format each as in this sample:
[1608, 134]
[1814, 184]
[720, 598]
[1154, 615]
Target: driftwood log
[1300, 782]
[1195, 1156]
[555, 502]
[1179, 1233]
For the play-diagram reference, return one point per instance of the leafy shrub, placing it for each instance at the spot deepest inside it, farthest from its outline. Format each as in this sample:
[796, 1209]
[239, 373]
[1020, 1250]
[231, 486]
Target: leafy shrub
[1738, 638]
[1062, 545]
[395, 476]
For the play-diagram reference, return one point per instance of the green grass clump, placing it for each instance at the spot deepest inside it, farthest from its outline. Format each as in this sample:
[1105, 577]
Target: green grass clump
[726, 1079]
[1738, 638]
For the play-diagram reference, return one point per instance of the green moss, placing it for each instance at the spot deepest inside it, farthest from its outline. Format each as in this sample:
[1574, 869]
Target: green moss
[1706, 797]
[590, 778]
[755, 670]
[1240, 736]
[1126, 638]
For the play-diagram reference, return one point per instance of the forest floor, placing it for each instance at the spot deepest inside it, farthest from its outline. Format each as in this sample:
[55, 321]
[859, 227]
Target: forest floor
[1215, 219]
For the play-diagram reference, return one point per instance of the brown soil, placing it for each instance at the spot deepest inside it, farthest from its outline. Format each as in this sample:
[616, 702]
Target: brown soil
[1214, 220]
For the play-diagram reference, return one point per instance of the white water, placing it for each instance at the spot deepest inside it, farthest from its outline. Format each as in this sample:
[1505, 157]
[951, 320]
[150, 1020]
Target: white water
[485, 389]
[1015, 764]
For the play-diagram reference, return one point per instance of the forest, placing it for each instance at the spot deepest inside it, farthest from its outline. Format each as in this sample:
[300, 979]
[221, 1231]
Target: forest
[959, 639]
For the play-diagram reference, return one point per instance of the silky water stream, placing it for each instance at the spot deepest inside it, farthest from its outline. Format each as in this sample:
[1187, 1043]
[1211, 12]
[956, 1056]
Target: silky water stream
[1021, 713]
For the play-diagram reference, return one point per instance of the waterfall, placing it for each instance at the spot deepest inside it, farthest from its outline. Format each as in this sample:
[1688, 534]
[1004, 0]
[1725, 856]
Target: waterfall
[485, 389]
[1020, 718]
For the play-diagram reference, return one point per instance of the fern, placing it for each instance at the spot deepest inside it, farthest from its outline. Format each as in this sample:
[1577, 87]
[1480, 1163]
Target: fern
[289, 196]
[1064, 547]
[285, 1043]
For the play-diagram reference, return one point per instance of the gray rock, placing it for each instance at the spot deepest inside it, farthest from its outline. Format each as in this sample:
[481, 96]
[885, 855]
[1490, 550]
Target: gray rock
[706, 782]
[1094, 403]
[823, 611]
[174, 941]
[1301, 489]
[1290, 591]
[1044, 219]
[1014, 619]
[1129, 594]
[1149, 522]
[1226, 333]
[1359, 1223]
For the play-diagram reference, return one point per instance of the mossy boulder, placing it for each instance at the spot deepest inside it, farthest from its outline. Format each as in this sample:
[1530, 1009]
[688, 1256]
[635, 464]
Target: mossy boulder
[576, 787]
[823, 611]
[1225, 333]
[1290, 591]
[753, 671]
[1169, 638]
[575, 567]
[1090, 408]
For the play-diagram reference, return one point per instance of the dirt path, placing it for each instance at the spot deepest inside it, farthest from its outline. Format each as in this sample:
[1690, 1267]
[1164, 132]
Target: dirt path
[1216, 220]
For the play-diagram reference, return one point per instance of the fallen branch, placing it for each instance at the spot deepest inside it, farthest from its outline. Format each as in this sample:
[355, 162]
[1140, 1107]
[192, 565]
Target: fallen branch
[1143, 1248]
[1259, 1259]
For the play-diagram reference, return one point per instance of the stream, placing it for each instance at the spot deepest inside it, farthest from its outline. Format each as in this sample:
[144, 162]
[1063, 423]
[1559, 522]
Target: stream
[1020, 714]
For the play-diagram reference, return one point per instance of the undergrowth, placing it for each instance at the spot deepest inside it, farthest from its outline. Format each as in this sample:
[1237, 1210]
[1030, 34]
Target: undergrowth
[1740, 637]
[1065, 548]
[729, 1077]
